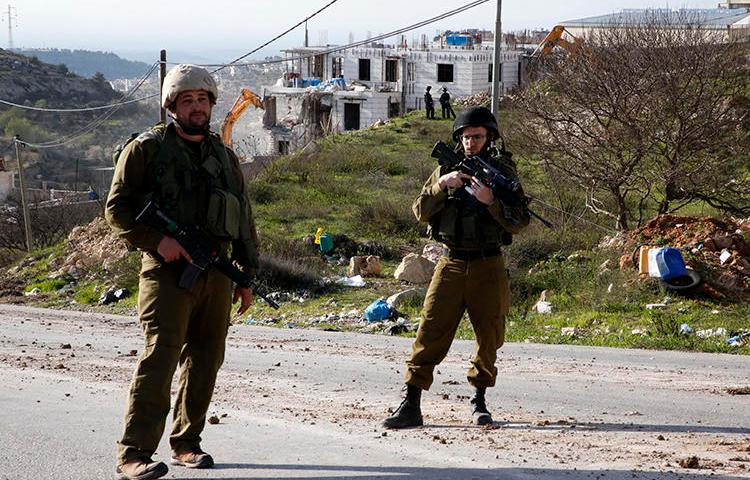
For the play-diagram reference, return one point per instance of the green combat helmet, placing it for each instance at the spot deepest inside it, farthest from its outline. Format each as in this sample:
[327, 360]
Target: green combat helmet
[185, 77]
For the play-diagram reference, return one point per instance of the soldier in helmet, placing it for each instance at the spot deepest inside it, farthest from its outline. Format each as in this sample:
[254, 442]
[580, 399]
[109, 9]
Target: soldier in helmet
[445, 104]
[197, 181]
[429, 103]
[470, 277]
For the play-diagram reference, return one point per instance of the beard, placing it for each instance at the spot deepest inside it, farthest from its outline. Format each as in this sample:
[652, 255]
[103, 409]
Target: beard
[195, 124]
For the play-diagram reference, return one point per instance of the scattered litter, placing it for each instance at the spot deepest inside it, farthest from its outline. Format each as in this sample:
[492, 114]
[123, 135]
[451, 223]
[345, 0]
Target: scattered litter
[686, 329]
[398, 328]
[711, 332]
[738, 339]
[113, 296]
[725, 255]
[378, 311]
[355, 281]
[655, 306]
[543, 307]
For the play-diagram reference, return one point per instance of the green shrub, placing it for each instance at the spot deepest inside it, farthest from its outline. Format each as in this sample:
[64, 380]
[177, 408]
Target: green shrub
[87, 294]
[288, 274]
[49, 285]
[388, 217]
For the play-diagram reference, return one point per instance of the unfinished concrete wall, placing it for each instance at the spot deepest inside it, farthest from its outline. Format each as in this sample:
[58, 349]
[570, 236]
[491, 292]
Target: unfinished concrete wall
[373, 106]
[470, 70]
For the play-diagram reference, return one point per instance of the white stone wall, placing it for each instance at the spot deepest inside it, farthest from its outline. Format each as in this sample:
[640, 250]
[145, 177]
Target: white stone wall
[373, 106]
[470, 70]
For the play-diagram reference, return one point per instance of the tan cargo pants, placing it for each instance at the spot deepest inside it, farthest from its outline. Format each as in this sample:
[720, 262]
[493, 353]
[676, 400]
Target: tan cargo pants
[479, 287]
[182, 327]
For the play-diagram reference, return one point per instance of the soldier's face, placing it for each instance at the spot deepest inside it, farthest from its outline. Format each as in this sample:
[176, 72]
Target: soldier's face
[473, 139]
[193, 108]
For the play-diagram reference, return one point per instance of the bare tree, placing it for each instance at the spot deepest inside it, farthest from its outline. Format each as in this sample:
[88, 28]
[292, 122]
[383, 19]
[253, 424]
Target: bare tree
[645, 118]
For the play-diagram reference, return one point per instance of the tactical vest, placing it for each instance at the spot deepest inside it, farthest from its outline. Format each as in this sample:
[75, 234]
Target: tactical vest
[464, 223]
[205, 193]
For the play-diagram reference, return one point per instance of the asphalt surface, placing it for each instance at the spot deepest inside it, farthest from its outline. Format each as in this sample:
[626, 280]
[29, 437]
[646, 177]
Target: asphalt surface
[308, 404]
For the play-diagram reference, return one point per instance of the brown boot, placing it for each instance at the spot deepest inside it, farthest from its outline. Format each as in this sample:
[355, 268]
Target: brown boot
[196, 458]
[141, 469]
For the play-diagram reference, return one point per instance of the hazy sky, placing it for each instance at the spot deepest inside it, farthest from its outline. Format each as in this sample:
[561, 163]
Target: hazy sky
[218, 29]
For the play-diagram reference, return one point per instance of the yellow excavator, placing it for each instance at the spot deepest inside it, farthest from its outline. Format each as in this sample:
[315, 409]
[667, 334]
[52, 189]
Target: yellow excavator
[555, 39]
[244, 100]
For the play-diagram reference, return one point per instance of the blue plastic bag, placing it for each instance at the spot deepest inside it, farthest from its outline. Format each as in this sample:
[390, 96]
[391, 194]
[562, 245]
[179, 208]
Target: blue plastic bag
[377, 311]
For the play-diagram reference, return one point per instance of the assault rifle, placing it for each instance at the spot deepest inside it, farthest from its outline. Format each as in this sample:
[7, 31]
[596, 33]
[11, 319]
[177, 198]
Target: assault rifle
[506, 190]
[202, 249]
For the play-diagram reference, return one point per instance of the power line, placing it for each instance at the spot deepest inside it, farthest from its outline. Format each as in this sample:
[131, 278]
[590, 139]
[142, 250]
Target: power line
[423, 23]
[276, 37]
[65, 139]
[98, 121]
[70, 110]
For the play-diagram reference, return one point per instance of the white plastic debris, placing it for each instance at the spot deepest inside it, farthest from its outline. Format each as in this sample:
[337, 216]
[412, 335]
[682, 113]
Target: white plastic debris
[355, 281]
[543, 307]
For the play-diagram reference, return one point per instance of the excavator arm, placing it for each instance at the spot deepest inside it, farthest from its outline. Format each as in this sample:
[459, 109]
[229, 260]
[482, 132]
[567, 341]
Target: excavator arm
[555, 39]
[244, 100]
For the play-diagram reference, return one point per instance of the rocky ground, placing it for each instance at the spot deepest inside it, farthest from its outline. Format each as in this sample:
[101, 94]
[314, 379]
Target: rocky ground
[563, 409]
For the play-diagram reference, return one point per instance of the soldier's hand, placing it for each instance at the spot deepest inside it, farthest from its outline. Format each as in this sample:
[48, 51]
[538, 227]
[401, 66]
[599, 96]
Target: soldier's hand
[453, 180]
[170, 250]
[482, 192]
[246, 297]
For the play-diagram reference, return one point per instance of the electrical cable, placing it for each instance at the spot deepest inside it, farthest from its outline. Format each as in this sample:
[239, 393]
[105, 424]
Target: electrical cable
[423, 23]
[98, 121]
[275, 38]
[85, 109]
[65, 139]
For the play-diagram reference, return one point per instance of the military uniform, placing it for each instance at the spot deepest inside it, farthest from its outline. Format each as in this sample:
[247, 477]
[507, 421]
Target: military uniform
[196, 183]
[470, 277]
[429, 104]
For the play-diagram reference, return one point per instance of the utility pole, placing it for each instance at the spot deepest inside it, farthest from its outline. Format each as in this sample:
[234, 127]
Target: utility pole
[496, 67]
[162, 74]
[11, 16]
[24, 207]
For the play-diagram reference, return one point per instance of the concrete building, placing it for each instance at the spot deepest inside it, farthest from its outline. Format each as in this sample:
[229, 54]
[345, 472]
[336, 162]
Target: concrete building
[324, 91]
[730, 22]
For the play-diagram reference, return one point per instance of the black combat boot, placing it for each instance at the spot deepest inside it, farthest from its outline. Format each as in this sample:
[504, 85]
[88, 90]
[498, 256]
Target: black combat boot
[408, 413]
[480, 414]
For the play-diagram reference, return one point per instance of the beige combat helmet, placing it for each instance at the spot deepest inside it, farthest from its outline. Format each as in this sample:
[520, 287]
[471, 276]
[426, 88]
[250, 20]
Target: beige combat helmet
[184, 77]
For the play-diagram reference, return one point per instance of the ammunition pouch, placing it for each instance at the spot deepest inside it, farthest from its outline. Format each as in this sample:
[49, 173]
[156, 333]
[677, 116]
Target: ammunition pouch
[224, 214]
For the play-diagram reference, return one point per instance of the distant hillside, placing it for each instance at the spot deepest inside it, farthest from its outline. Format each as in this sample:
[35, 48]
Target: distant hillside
[87, 63]
[87, 136]
[27, 80]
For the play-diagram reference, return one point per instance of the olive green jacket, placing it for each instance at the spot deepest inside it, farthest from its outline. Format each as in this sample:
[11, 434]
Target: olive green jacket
[432, 200]
[135, 182]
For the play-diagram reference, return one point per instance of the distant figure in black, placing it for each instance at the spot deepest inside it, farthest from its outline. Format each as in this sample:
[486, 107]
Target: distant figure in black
[429, 103]
[445, 103]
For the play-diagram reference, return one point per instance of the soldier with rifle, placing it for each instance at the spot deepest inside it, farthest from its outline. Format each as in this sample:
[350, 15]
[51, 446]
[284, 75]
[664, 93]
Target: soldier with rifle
[473, 204]
[185, 312]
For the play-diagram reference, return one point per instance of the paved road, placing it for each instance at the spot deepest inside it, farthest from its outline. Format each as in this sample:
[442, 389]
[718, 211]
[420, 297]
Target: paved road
[307, 404]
